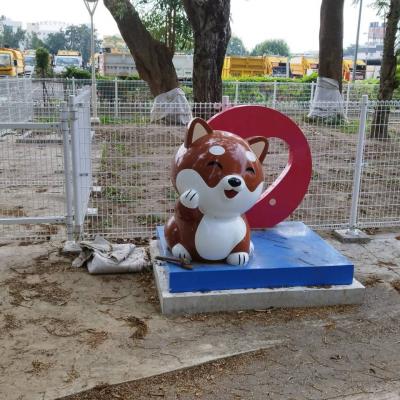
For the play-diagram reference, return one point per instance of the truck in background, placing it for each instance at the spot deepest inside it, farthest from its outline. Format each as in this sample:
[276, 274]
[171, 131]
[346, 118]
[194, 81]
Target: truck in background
[11, 62]
[65, 59]
[237, 66]
[183, 64]
[301, 66]
[30, 62]
[361, 69]
[115, 62]
[277, 66]
[118, 62]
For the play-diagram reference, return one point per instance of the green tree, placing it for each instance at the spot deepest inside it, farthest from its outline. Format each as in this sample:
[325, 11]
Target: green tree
[390, 9]
[329, 81]
[78, 37]
[10, 38]
[33, 42]
[236, 47]
[152, 57]
[210, 21]
[56, 41]
[75, 37]
[167, 22]
[43, 68]
[273, 47]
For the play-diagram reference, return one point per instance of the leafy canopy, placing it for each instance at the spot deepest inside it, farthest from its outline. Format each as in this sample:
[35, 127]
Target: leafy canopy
[42, 59]
[277, 47]
[236, 47]
[10, 38]
[167, 22]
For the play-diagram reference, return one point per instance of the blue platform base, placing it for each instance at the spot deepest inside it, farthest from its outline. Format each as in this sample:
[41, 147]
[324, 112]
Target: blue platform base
[290, 254]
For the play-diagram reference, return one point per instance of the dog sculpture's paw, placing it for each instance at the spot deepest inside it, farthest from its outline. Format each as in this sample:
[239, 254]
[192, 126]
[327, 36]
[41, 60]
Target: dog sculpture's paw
[190, 198]
[180, 252]
[239, 258]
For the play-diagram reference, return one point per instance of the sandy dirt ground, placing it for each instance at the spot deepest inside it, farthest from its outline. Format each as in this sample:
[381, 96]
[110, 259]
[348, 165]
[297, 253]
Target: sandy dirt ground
[63, 331]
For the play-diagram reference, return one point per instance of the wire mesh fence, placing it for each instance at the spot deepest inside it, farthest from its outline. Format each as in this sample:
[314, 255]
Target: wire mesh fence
[130, 190]
[133, 160]
[379, 203]
[16, 100]
[112, 91]
[32, 178]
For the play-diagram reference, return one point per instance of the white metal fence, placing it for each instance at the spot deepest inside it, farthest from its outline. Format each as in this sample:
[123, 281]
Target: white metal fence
[116, 182]
[110, 92]
[16, 100]
[39, 197]
[133, 157]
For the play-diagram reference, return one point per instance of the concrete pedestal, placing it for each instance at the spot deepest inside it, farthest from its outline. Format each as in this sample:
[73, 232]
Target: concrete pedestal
[292, 267]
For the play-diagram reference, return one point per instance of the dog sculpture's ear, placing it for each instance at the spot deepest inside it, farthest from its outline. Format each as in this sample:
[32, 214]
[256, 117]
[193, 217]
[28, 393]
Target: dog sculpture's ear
[197, 128]
[259, 145]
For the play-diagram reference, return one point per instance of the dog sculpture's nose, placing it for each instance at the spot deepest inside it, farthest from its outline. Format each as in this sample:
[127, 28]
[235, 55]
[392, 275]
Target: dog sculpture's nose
[234, 182]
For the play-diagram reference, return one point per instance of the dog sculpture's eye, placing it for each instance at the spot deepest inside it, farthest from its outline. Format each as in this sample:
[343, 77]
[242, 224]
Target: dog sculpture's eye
[251, 170]
[214, 163]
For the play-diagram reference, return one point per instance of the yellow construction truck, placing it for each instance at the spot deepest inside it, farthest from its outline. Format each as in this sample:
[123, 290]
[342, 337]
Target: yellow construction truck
[361, 69]
[237, 66]
[11, 62]
[301, 66]
[276, 66]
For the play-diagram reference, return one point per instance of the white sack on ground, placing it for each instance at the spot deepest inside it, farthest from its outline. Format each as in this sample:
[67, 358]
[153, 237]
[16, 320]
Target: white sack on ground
[327, 100]
[172, 106]
[102, 257]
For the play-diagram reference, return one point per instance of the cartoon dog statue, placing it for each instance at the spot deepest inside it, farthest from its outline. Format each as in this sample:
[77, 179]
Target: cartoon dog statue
[218, 176]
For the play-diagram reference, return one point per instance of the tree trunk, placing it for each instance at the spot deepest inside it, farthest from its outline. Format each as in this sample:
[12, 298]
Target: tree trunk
[327, 101]
[379, 127]
[331, 40]
[211, 29]
[153, 59]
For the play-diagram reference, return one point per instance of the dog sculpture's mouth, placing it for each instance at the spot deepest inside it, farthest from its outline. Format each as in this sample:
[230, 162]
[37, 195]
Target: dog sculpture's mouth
[230, 194]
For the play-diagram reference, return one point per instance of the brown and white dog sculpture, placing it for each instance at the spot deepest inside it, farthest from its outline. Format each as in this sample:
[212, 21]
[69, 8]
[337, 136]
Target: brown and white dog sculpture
[218, 176]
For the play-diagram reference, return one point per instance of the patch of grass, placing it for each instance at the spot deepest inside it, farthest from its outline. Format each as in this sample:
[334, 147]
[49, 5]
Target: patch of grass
[333, 120]
[171, 194]
[122, 149]
[124, 195]
[150, 219]
[135, 119]
[104, 155]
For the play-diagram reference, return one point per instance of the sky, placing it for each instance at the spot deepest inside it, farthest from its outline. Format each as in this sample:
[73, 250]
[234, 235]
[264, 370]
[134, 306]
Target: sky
[253, 21]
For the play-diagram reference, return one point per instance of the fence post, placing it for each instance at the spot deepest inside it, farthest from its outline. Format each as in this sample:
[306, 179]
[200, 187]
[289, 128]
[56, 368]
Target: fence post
[352, 234]
[8, 96]
[312, 91]
[73, 86]
[67, 172]
[236, 92]
[75, 164]
[225, 102]
[274, 94]
[359, 163]
[347, 98]
[116, 111]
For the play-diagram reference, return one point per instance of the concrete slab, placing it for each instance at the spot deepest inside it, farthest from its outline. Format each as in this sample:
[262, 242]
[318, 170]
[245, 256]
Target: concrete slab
[249, 299]
[351, 236]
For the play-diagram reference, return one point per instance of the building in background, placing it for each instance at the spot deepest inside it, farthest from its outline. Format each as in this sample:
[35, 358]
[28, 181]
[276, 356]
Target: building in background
[370, 52]
[43, 28]
[376, 33]
[14, 25]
